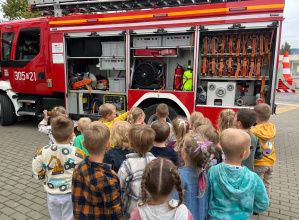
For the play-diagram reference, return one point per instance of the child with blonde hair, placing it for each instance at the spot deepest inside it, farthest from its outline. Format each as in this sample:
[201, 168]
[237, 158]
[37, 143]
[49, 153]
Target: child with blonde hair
[159, 178]
[225, 120]
[194, 117]
[235, 191]
[180, 127]
[136, 116]
[193, 175]
[83, 125]
[120, 139]
[141, 139]
[265, 132]
[45, 128]
[108, 112]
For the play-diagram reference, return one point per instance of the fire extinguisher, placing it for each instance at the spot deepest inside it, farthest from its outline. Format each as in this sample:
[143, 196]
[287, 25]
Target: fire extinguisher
[177, 77]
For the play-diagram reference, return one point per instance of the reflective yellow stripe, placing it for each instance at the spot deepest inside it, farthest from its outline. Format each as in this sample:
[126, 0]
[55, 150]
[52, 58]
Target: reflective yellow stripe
[170, 14]
[126, 17]
[215, 10]
[264, 6]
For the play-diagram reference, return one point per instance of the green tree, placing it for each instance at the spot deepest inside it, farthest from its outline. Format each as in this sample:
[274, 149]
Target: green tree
[17, 9]
[285, 47]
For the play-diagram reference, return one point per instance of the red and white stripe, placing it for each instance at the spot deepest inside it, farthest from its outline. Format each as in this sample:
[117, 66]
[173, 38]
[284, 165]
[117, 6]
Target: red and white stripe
[286, 90]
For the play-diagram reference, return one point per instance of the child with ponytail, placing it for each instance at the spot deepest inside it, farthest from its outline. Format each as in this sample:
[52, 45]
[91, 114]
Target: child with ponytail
[225, 120]
[194, 180]
[180, 127]
[159, 179]
[136, 116]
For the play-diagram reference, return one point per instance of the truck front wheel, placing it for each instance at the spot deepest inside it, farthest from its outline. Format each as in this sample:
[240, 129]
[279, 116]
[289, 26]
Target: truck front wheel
[6, 110]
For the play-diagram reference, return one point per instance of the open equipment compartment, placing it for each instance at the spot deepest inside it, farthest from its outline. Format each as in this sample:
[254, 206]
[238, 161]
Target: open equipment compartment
[96, 70]
[236, 67]
[160, 58]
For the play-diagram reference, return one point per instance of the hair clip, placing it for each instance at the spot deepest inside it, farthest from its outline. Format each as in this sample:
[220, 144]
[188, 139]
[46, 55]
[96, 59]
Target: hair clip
[170, 170]
[201, 181]
[190, 150]
[203, 146]
[55, 109]
[223, 157]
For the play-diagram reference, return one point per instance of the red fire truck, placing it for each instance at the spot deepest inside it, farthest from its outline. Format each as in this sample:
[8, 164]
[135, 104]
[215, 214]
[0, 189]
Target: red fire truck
[199, 55]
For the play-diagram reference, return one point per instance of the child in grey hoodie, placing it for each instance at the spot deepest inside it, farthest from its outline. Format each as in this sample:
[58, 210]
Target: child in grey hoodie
[159, 179]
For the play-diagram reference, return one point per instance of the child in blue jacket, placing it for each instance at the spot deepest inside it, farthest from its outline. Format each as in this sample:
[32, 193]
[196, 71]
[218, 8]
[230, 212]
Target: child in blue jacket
[235, 191]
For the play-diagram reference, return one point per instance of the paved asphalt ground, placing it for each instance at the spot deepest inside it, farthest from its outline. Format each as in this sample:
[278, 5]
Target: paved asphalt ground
[22, 197]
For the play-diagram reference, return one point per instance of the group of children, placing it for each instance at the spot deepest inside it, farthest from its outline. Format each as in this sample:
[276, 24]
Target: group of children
[186, 169]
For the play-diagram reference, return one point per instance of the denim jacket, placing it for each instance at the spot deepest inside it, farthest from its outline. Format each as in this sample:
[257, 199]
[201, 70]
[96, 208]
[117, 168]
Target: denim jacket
[195, 199]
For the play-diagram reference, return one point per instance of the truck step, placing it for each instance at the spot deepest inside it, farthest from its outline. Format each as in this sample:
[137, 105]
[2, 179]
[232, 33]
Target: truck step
[28, 99]
[31, 112]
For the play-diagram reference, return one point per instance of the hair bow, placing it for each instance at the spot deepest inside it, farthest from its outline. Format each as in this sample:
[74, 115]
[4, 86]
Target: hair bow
[203, 146]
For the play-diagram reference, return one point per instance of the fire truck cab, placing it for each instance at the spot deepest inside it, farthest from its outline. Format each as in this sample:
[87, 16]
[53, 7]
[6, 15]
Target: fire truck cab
[204, 56]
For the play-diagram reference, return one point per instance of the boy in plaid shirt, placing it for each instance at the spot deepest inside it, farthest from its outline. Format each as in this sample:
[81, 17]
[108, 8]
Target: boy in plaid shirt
[96, 192]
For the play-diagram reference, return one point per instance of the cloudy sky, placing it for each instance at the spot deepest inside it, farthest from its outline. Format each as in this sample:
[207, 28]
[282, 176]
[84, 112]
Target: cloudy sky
[290, 27]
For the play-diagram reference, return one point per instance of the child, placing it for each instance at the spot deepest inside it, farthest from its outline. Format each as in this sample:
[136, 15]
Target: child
[209, 132]
[200, 122]
[162, 112]
[83, 125]
[43, 126]
[194, 117]
[136, 116]
[108, 112]
[55, 164]
[159, 149]
[244, 119]
[215, 150]
[195, 186]
[120, 138]
[159, 179]
[141, 139]
[225, 120]
[181, 128]
[96, 190]
[265, 132]
[235, 191]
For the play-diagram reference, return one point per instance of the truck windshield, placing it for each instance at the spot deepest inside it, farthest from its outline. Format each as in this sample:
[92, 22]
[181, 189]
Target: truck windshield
[7, 40]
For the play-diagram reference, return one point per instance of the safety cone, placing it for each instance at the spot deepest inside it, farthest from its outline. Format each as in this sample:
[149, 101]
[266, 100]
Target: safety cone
[287, 84]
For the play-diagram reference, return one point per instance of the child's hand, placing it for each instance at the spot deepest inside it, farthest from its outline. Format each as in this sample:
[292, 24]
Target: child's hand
[46, 116]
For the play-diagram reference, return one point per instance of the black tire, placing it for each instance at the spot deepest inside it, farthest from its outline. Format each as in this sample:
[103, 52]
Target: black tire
[150, 114]
[6, 110]
[54, 148]
[63, 188]
[67, 166]
[65, 151]
[50, 185]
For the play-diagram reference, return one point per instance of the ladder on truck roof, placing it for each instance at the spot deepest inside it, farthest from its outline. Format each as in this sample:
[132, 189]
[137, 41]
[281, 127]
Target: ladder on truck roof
[59, 7]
